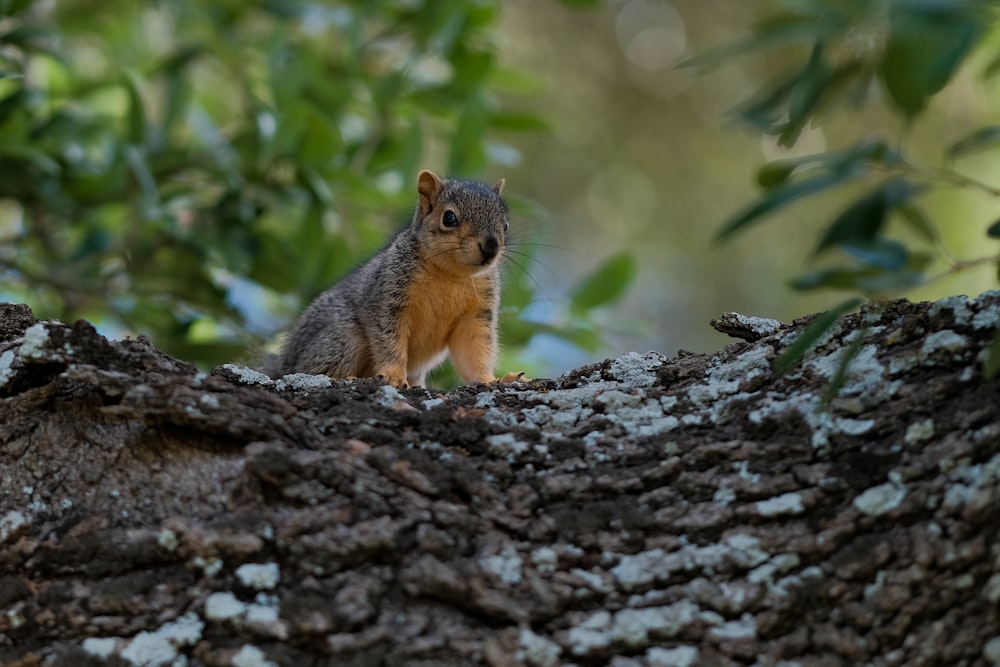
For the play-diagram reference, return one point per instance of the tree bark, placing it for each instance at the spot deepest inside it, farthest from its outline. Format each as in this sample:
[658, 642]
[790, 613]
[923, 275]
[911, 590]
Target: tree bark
[644, 511]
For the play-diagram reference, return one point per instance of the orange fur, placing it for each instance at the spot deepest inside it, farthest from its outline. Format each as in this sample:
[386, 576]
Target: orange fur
[440, 315]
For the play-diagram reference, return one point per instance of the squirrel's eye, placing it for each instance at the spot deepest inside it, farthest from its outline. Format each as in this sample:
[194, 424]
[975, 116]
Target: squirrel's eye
[506, 225]
[449, 219]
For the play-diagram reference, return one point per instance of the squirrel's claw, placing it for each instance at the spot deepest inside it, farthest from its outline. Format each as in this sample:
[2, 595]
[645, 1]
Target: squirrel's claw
[513, 377]
[397, 382]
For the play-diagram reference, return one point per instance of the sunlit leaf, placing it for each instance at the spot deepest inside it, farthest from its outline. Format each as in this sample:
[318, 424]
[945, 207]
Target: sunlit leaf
[813, 332]
[606, 284]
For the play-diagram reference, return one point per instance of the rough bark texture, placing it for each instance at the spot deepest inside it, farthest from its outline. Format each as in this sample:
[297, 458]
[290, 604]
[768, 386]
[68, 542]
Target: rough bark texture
[643, 511]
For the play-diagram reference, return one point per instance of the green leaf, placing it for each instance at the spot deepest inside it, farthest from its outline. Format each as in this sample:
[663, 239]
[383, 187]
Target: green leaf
[136, 132]
[37, 158]
[992, 362]
[321, 139]
[855, 158]
[776, 173]
[805, 96]
[993, 231]
[776, 31]
[992, 67]
[981, 139]
[606, 284]
[782, 196]
[815, 330]
[861, 222]
[836, 278]
[519, 121]
[879, 253]
[927, 42]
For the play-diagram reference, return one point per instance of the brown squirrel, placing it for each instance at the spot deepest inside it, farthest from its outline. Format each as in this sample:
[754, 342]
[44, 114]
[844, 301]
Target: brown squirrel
[434, 289]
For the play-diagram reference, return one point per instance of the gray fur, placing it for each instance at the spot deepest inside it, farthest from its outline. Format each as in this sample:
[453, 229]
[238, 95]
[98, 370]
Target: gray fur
[348, 329]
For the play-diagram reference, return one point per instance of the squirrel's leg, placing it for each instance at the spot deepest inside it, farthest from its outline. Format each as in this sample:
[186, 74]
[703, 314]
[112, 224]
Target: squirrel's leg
[473, 347]
[389, 358]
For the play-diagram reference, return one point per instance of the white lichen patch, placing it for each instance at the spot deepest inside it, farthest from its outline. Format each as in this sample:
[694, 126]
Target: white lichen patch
[259, 576]
[223, 606]
[656, 565]
[919, 431]
[536, 650]
[210, 566]
[34, 342]
[880, 499]
[12, 524]
[251, 656]
[781, 563]
[167, 539]
[433, 403]
[591, 634]
[388, 396]
[152, 649]
[506, 565]
[822, 422]
[260, 614]
[633, 627]
[248, 376]
[551, 421]
[507, 445]
[636, 370]
[639, 569]
[864, 372]
[988, 317]
[303, 382]
[958, 305]
[100, 647]
[545, 559]
[944, 341]
[679, 656]
[787, 503]
[743, 629]
[647, 419]
[7, 371]
[209, 401]
[750, 364]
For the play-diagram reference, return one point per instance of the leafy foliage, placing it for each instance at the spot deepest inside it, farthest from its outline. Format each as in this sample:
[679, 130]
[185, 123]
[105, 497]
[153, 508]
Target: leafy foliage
[844, 49]
[177, 168]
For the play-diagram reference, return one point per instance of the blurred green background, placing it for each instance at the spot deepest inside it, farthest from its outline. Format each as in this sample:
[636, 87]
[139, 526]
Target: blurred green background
[197, 171]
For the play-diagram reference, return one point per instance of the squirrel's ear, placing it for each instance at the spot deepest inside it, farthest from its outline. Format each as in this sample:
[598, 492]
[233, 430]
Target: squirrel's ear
[498, 188]
[429, 186]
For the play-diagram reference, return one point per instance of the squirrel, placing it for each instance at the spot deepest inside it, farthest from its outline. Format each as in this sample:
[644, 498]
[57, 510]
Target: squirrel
[433, 289]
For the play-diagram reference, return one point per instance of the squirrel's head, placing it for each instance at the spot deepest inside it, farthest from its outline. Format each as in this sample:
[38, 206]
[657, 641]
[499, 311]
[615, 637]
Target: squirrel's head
[462, 224]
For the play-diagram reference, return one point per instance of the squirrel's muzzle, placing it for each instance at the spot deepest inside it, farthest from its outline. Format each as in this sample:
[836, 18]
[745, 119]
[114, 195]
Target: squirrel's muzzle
[490, 248]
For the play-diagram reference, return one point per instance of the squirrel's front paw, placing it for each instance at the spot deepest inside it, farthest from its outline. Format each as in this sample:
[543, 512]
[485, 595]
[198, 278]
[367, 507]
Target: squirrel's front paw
[513, 377]
[397, 381]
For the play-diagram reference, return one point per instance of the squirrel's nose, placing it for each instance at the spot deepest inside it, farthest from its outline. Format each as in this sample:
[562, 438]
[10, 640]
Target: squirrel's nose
[490, 247]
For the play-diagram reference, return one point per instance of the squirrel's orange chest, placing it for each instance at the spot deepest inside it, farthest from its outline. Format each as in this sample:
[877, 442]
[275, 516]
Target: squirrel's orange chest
[433, 309]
